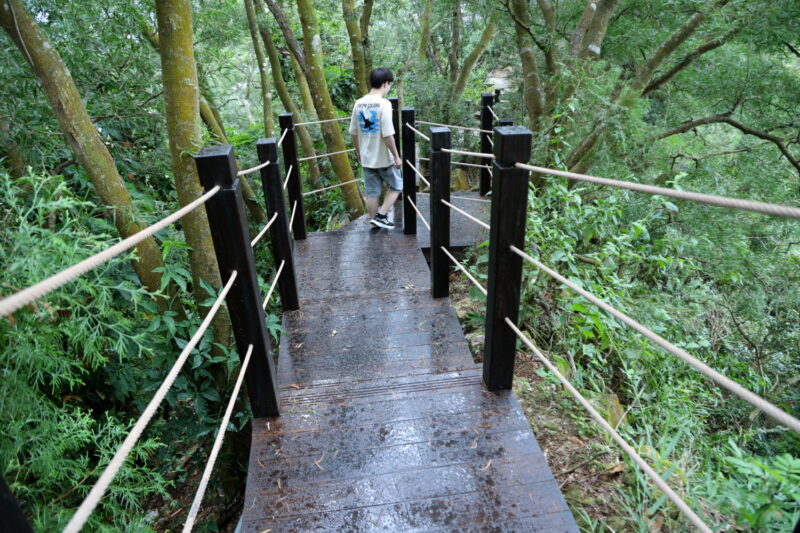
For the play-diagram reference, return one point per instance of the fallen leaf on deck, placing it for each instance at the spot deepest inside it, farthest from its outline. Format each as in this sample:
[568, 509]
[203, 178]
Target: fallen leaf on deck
[487, 465]
[296, 386]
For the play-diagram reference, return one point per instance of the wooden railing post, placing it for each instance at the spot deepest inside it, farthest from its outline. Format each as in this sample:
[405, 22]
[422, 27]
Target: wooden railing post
[409, 176]
[295, 185]
[440, 213]
[216, 165]
[487, 100]
[497, 95]
[396, 120]
[505, 122]
[512, 144]
[11, 516]
[282, 244]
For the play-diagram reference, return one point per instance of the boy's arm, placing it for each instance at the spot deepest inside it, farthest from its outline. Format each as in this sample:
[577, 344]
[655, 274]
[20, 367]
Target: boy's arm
[389, 142]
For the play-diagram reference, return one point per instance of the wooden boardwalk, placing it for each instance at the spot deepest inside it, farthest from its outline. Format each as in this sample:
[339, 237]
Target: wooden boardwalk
[385, 424]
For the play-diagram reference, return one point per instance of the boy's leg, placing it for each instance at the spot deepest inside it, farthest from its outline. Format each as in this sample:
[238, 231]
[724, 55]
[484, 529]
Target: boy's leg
[391, 176]
[372, 189]
[372, 206]
[388, 201]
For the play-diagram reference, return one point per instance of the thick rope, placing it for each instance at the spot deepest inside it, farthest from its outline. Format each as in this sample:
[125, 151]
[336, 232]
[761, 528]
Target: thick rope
[414, 206]
[493, 113]
[711, 199]
[454, 127]
[274, 284]
[471, 199]
[263, 231]
[93, 498]
[487, 167]
[418, 173]
[288, 175]
[322, 121]
[490, 141]
[464, 270]
[326, 155]
[331, 187]
[280, 142]
[212, 458]
[756, 401]
[34, 292]
[294, 210]
[627, 448]
[253, 169]
[472, 218]
[415, 130]
[473, 154]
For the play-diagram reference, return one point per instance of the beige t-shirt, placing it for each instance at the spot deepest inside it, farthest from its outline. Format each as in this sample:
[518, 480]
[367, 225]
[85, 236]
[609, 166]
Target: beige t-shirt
[371, 121]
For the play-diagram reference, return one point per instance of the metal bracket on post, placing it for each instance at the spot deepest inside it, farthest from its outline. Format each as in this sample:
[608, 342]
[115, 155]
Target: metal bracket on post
[487, 100]
[409, 176]
[279, 232]
[295, 185]
[512, 144]
[216, 165]
[440, 213]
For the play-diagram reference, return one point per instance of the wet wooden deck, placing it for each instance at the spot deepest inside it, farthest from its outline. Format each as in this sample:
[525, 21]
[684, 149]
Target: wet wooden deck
[386, 425]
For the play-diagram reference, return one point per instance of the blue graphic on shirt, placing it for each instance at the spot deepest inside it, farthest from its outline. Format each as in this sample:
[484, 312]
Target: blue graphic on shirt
[371, 124]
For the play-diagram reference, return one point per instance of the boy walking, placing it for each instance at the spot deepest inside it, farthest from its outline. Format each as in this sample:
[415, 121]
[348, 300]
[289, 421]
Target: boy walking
[373, 137]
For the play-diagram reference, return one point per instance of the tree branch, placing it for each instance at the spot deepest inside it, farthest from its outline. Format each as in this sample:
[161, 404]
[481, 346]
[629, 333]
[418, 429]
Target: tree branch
[794, 50]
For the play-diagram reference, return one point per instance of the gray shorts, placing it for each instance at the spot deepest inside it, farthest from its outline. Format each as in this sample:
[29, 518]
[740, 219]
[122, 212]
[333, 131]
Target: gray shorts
[374, 176]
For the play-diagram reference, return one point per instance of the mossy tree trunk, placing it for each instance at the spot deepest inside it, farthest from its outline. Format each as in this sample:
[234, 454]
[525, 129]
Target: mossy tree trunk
[305, 91]
[80, 133]
[266, 94]
[352, 23]
[13, 159]
[424, 31]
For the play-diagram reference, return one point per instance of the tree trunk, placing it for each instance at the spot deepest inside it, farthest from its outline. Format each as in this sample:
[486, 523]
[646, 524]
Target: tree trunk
[288, 35]
[181, 96]
[80, 134]
[266, 96]
[13, 159]
[424, 31]
[471, 59]
[455, 28]
[312, 46]
[356, 46]
[305, 91]
[283, 93]
[366, 15]
[531, 83]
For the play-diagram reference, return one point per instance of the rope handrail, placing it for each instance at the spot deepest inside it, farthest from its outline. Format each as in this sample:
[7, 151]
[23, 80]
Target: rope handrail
[418, 173]
[273, 284]
[711, 199]
[294, 210]
[753, 399]
[253, 169]
[310, 122]
[462, 163]
[283, 136]
[471, 199]
[454, 127]
[95, 495]
[464, 270]
[472, 218]
[415, 130]
[414, 206]
[326, 155]
[288, 175]
[490, 141]
[627, 448]
[34, 292]
[464, 152]
[263, 231]
[212, 458]
[491, 110]
[309, 193]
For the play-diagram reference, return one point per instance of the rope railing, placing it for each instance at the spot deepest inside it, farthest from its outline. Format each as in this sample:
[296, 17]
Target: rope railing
[464, 152]
[96, 493]
[274, 284]
[415, 130]
[294, 211]
[288, 175]
[753, 399]
[454, 127]
[462, 163]
[710, 199]
[627, 448]
[31, 294]
[326, 155]
[491, 110]
[340, 119]
[418, 173]
[223, 426]
[472, 199]
[253, 169]
[280, 142]
[464, 213]
[464, 270]
[414, 206]
[263, 231]
[309, 193]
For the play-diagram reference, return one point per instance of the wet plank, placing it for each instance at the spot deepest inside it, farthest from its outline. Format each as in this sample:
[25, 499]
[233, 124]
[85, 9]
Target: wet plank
[385, 424]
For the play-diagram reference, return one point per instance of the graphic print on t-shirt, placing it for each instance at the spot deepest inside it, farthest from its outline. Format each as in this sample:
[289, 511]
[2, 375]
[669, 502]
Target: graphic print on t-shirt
[368, 121]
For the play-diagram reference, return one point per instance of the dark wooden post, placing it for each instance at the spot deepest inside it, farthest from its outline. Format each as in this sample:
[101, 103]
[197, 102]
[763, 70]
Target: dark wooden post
[440, 213]
[505, 122]
[295, 186]
[496, 95]
[409, 176]
[487, 100]
[396, 121]
[512, 144]
[11, 516]
[216, 165]
[279, 232]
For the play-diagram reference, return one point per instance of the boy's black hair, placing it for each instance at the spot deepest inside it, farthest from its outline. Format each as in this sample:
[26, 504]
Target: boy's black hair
[379, 76]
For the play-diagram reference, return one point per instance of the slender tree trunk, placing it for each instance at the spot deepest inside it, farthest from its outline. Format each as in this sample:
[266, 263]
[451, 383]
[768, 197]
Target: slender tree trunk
[424, 31]
[266, 96]
[13, 159]
[181, 96]
[366, 15]
[305, 91]
[283, 93]
[80, 134]
[455, 38]
[471, 59]
[354, 33]
[531, 83]
[288, 35]
[312, 46]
